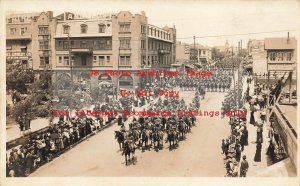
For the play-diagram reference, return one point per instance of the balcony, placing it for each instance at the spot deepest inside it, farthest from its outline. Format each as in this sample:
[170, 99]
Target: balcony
[281, 66]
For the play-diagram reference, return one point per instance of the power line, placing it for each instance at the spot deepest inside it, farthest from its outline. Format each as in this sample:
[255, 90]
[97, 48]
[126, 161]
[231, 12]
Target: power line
[253, 33]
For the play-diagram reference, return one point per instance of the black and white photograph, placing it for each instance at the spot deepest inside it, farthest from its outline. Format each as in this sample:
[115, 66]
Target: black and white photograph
[191, 89]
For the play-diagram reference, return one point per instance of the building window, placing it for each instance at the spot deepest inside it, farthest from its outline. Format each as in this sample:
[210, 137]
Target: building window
[143, 44]
[60, 59]
[102, 44]
[60, 43]
[125, 27]
[83, 60]
[66, 29]
[83, 44]
[66, 45]
[95, 59]
[46, 60]
[107, 59]
[125, 43]
[42, 61]
[102, 60]
[279, 56]
[288, 56]
[203, 52]
[143, 29]
[12, 31]
[155, 32]
[43, 30]
[66, 60]
[102, 28]
[143, 60]
[124, 60]
[23, 31]
[83, 28]
[272, 56]
[44, 45]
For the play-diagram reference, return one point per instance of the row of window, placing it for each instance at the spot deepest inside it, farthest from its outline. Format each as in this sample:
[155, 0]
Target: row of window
[101, 60]
[155, 60]
[280, 56]
[13, 31]
[84, 28]
[158, 33]
[98, 44]
[158, 45]
[43, 30]
[125, 60]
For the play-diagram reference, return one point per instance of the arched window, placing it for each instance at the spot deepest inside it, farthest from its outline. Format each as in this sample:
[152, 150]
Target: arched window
[83, 28]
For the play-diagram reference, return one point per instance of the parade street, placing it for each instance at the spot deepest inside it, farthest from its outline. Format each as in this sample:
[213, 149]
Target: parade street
[198, 155]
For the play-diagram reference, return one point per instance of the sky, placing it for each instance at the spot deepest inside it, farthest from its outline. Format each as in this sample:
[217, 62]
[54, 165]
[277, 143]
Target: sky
[209, 21]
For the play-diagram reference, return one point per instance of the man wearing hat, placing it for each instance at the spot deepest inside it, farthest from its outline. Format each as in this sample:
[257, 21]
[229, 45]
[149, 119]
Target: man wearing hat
[244, 167]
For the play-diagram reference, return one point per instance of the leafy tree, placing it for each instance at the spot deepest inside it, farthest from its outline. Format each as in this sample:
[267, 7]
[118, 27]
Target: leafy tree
[216, 54]
[17, 78]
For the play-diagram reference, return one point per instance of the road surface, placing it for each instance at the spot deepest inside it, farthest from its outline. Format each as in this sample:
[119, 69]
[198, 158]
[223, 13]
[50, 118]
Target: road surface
[198, 155]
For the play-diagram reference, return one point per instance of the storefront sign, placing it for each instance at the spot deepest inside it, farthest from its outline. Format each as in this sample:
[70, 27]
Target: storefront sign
[18, 55]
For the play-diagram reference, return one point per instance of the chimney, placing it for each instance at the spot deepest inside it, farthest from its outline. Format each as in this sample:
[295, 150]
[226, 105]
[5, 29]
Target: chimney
[288, 38]
[50, 14]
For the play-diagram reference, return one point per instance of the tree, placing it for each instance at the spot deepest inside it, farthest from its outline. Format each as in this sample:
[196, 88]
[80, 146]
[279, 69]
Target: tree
[17, 78]
[216, 54]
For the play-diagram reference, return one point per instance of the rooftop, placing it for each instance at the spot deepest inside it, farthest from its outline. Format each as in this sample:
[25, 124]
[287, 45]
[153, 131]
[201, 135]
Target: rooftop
[280, 43]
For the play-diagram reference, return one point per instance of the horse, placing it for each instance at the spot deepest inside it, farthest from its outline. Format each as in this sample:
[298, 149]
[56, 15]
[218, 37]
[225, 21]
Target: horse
[128, 148]
[182, 129]
[157, 137]
[144, 137]
[120, 138]
[172, 138]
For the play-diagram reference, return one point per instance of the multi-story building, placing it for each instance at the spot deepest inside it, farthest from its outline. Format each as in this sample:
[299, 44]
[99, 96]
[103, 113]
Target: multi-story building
[254, 46]
[281, 55]
[28, 39]
[257, 56]
[122, 41]
[187, 53]
[86, 42]
[282, 60]
[19, 39]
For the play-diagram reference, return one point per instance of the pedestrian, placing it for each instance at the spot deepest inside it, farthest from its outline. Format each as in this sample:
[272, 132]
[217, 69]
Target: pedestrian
[257, 157]
[237, 151]
[226, 147]
[223, 146]
[244, 167]
[252, 119]
[259, 136]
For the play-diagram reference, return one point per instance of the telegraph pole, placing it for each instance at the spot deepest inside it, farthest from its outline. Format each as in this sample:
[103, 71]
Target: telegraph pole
[196, 52]
[71, 70]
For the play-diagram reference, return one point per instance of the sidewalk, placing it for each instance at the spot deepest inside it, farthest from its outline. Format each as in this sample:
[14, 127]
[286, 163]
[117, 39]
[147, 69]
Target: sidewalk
[13, 131]
[250, 150]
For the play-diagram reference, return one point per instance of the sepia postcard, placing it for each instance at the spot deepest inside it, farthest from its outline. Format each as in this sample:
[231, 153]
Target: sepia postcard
[149, 92]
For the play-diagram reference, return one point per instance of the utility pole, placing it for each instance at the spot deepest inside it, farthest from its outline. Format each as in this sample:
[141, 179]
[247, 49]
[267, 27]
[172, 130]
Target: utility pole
[196, 52]
[233, 72]
[71, 70]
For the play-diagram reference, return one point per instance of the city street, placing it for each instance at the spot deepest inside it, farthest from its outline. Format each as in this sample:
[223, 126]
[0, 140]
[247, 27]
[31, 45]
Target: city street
[198, 155]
